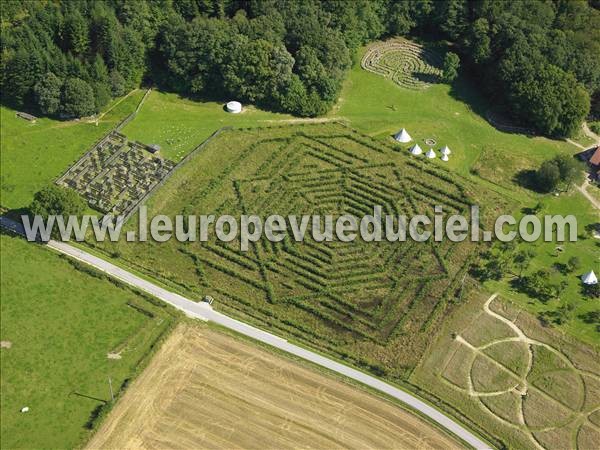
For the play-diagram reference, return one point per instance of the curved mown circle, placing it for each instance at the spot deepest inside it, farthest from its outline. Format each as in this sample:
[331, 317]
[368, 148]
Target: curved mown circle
[407, 63]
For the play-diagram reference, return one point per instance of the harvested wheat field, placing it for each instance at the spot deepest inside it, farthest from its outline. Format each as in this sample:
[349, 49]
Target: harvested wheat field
[206, 389]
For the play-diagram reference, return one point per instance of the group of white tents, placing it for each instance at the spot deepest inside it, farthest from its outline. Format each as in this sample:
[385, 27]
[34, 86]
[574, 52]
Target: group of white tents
[403, 137]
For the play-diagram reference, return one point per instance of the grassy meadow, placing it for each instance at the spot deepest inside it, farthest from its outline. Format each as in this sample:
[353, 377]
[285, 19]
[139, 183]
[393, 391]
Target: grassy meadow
[34, 154]
[587, 249]
[453, 116]
[179, 124]
[61, 323]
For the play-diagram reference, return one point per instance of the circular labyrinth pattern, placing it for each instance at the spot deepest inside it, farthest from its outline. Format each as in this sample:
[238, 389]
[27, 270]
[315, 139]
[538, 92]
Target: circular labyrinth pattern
[531, 386]
[406, 63]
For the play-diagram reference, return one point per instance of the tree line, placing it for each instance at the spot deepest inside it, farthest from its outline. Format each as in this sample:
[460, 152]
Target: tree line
[539, 60]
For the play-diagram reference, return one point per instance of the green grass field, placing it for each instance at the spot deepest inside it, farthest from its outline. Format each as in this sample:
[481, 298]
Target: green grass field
[452, 116]
[375, 304]
[34, 154]
[61, 323]
[586, 249]
[179, 124]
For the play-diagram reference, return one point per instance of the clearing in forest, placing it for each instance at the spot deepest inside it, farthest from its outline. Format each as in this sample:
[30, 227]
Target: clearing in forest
[207, 389]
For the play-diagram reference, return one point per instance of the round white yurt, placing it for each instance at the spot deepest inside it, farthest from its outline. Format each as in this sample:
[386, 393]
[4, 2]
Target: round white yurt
[234, 107]
[430, 154]
[446, 150]
[590, 278]
[416, 150]
[402, 136]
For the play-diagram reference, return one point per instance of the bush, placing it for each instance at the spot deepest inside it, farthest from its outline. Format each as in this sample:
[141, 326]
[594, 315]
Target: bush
[451, 65]
[78, 98]
[563, 170]
[56, 200]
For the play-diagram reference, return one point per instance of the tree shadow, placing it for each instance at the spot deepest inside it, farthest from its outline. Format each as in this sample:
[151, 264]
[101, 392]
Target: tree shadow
[526, 179]
[478, 102]
[462, 90]
[429, 78]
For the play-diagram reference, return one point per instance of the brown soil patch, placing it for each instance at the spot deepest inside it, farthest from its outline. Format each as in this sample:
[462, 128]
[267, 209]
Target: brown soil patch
[205, 389]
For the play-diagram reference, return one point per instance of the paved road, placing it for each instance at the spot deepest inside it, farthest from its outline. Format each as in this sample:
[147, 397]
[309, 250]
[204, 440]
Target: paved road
[205, 312]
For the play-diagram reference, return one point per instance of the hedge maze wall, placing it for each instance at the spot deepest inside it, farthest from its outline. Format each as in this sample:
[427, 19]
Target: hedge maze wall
[406, 63]
[115, 175]
[377, 304]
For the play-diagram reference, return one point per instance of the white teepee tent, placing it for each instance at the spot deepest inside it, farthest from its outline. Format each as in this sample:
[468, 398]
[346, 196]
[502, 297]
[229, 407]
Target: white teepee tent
[445, 157]
[403, 136]
[416, 150]
[446, 150]
[589, 278]
[430, 154]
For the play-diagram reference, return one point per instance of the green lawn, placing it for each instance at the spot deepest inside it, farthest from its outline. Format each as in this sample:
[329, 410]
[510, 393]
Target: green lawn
[452, 116]
[34, 154]
[179, 124]
[61, 323]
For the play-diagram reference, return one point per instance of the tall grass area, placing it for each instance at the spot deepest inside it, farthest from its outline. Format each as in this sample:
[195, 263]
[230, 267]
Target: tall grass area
[34, 154]
[61, 324]
[178, 124]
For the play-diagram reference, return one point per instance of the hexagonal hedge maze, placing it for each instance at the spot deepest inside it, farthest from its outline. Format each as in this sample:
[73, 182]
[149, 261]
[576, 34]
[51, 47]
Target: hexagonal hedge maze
[375, 303]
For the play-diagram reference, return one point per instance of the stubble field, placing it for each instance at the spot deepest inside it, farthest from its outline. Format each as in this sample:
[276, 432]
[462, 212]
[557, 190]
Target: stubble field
[206, 389]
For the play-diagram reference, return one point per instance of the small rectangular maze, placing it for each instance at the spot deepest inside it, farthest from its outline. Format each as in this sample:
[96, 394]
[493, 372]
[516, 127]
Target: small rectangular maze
[116, 175]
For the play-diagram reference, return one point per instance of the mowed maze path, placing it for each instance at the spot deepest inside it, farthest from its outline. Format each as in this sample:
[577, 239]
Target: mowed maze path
[208, 389]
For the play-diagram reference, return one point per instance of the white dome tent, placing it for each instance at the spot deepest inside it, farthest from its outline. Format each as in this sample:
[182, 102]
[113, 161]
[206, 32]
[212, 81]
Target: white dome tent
[445, 150]
[445, 158]
[403, 136]
[234, 107]
[430, 154]
[589, 278]
[416, 150]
